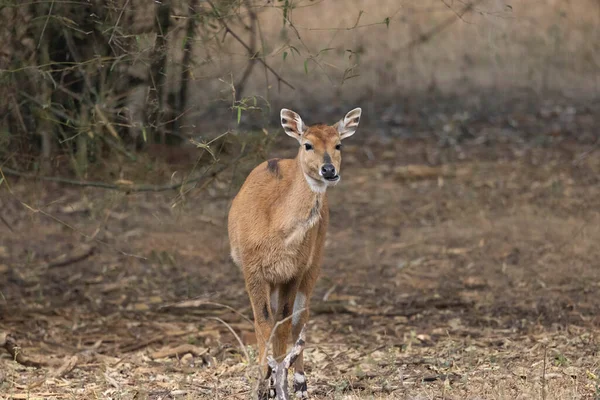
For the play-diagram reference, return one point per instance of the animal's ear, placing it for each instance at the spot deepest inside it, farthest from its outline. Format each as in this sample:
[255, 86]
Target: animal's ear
[292, 123]
[348, 125]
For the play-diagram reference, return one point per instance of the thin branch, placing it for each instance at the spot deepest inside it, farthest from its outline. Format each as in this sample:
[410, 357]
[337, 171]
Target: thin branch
[249, 49]
[74, 229]
[5, 222]
[105, 121]
[427, 36]
[45, 24]
[196, 303]
[73, 50]
[112, 34]
[580, 158]
[234, 334]
[252, 53]
[186, 63]
[460, 16]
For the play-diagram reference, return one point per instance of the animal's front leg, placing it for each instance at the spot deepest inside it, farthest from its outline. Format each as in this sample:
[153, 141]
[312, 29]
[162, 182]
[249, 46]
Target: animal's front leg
[299, 320]
[287, 294]
[259, 293]
[266, 389]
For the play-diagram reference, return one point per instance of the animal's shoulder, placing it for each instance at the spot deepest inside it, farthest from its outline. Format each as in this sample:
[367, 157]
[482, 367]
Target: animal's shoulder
[274, 168]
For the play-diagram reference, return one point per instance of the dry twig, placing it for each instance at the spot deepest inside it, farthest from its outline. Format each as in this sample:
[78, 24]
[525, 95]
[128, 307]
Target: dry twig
[279, 371]
[458, 16]
[235, 335]
[9, 343]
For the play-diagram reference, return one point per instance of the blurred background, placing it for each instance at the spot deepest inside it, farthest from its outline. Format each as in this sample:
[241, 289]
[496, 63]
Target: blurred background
[462, 257]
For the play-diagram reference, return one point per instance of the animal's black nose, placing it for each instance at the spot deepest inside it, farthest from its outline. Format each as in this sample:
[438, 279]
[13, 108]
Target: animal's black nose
[328, 171]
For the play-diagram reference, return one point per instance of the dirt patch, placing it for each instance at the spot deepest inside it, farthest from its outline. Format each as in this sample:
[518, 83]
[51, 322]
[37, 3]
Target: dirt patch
[477, 278]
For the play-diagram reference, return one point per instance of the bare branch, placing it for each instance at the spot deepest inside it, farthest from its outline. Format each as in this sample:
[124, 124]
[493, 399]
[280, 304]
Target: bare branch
[458, 16]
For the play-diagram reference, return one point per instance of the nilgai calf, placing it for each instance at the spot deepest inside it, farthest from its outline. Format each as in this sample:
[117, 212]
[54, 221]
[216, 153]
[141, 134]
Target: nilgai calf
[277, 225]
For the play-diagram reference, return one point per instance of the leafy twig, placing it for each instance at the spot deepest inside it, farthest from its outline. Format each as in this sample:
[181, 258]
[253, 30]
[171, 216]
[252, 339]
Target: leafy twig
[249, 49]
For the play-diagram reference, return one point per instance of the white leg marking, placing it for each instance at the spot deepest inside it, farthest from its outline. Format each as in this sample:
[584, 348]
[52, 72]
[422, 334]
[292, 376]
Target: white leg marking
[274, 301]
[299, 378]
[299, 304]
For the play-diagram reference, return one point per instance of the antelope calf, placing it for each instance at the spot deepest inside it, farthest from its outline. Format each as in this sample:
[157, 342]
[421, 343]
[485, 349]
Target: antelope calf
[277, 225]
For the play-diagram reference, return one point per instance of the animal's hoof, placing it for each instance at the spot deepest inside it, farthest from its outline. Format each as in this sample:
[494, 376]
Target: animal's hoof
[300, 388]
[266, 394]
[267, 389]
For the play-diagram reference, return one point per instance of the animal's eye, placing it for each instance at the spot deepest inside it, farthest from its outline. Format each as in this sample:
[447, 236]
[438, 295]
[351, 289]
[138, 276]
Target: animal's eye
[308, 146]
[338, 146]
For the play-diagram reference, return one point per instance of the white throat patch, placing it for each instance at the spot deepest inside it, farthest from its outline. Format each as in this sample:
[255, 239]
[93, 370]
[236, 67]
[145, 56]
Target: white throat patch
[315, 185]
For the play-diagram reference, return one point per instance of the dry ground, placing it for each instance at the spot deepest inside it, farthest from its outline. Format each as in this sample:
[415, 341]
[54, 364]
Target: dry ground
[477, 278]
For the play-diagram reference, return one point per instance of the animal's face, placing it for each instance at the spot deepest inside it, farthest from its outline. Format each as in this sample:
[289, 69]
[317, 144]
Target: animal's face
[320, 153]
[320, 145]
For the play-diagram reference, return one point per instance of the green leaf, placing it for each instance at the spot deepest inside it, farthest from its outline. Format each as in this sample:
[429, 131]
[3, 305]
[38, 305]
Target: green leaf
[306, 66]
[144, 134]
[239, 114]
[285, 11]
[285, 53]
[386, 21]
